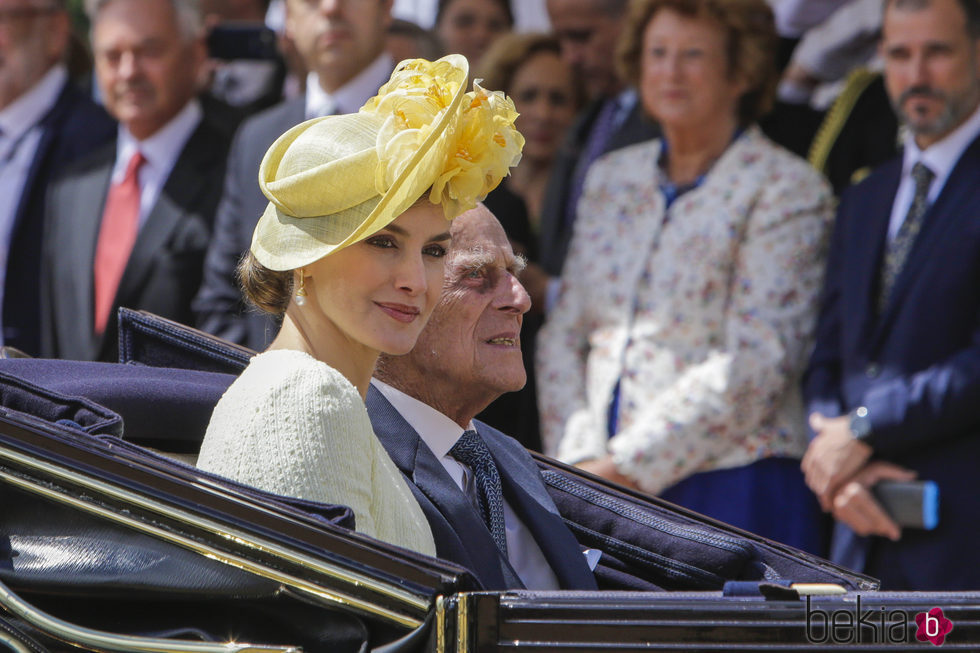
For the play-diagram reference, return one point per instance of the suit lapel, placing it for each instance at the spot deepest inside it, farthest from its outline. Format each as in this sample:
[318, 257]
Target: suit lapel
[459, 531]
[79, 233]
[950, 207]
[177, 199]
[866, 237]
[529, 498]
[48, 131]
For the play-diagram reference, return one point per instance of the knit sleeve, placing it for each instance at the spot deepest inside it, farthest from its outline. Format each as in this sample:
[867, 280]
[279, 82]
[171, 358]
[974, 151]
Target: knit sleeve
[296, 427]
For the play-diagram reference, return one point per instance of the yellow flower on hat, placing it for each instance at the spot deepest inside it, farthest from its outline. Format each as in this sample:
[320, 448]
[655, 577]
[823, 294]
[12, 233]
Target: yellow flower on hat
[411, 103]
[478, 145]
[487, 145]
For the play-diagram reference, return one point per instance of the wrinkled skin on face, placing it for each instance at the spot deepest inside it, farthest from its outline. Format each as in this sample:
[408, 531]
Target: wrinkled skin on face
[470, 351]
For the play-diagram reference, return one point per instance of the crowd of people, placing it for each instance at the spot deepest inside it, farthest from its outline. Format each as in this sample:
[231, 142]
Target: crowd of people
[736, 265]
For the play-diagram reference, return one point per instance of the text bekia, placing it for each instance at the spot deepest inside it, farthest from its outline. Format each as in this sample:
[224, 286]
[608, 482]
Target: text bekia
[848, 626]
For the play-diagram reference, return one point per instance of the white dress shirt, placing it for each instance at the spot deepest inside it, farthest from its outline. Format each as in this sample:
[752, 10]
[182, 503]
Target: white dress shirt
[440, 434]
[20, 134]
[160, 150]
[351, 96]
[940, 158]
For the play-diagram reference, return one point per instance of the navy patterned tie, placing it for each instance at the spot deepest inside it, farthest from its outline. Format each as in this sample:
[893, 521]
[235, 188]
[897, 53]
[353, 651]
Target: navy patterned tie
[900, 246]
[472, 451]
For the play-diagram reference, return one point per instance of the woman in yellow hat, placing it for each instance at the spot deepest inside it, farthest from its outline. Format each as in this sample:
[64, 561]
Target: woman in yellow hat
[350, 253]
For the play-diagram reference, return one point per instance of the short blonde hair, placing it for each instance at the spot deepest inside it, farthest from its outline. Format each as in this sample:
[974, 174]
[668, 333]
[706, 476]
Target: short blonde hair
[750, 33]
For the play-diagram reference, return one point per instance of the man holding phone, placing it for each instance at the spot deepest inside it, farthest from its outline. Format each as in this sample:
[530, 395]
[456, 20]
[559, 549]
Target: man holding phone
[341, 43]
[893, 384]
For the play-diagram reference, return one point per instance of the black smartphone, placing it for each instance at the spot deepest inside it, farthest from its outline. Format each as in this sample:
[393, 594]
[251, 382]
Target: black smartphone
[912, 504]
[229, 41]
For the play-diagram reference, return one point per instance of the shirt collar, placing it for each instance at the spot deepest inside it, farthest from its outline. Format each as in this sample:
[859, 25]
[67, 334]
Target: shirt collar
[162, 148]
[27, 110]
[438, 431]
[351, 96]
[942, 156]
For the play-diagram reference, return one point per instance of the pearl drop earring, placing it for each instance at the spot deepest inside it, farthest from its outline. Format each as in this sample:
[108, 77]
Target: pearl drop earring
[301, 291]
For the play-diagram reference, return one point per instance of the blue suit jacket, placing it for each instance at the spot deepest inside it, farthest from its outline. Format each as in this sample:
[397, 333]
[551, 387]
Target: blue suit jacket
[72, 128]
[460, 533]
[916, 367]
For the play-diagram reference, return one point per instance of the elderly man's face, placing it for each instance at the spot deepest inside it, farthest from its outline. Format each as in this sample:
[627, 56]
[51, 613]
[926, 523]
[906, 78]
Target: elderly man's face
[338, 39]
[147, 67]
[471, 345]
[33, 37]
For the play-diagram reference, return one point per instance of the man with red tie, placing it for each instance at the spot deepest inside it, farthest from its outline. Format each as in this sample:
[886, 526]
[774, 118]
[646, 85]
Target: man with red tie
[129, 225]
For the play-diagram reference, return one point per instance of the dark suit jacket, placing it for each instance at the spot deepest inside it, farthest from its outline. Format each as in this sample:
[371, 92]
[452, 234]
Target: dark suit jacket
[555, 236]
[71, 129]
[916, 367]
[219, 306]
[164, 268]
[461, 535]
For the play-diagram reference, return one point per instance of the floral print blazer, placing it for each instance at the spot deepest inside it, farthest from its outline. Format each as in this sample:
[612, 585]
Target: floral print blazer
[703, 313]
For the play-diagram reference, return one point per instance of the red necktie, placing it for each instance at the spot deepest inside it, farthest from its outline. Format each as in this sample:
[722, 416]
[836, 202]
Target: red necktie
[120, 224]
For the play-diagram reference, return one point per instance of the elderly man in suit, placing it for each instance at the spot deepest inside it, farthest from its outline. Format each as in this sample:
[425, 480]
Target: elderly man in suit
[894, 380]
[129, 225]
[480, 490]
[589, 32]
[342, 44]
[45, 123]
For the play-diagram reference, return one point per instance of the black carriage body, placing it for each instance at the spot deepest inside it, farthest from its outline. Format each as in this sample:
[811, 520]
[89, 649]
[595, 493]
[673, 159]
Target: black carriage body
[108, 541]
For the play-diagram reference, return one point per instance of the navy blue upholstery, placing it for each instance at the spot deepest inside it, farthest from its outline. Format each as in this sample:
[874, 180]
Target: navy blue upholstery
[21, 396]
[163, 408]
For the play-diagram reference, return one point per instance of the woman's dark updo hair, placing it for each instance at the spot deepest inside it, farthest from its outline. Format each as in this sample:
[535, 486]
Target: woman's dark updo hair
[265, 289]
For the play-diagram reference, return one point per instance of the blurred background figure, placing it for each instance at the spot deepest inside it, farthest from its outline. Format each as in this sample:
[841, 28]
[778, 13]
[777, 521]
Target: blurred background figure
[247, 70]
[45, 123]
[469, 27]
[406, 40]
[894, 378]
[671, 362]
[827, 52]
[529, 15]
[128, 225]
[547, 95]
[342, 44]
[588, 31]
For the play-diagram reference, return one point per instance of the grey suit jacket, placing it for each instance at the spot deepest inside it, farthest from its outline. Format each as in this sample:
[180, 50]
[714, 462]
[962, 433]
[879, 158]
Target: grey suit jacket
[164, 269]
[555, 235]
[461, 535]
[219, 306]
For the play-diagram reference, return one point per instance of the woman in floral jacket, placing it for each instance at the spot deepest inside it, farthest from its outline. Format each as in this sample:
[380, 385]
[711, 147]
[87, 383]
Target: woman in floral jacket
[671, 360]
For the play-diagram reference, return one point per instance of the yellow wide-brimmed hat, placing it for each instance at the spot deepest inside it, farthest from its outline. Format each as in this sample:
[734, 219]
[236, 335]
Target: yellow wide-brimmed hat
[334, 181]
